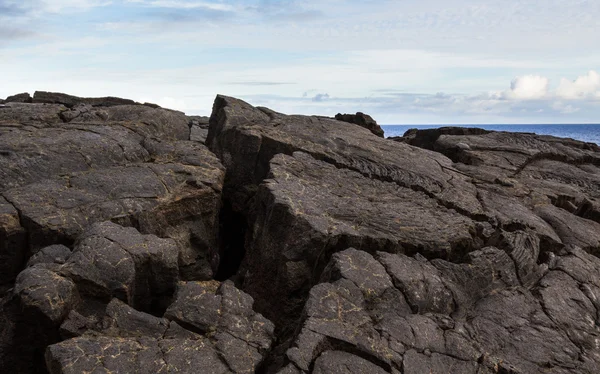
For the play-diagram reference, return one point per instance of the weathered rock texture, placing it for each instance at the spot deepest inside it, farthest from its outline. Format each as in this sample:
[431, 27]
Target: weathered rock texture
[198, 128]
[456, 234]
[290, 244]
[68, 164]
[63, 169]
[363, 120]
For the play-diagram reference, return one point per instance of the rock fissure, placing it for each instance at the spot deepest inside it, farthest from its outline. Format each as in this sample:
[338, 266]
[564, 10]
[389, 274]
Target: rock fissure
[319, 247]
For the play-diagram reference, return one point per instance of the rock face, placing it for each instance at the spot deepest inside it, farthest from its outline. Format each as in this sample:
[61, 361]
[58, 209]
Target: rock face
[70, 101]
[198, 128]
[456, 235]
[221, 335]
[63, 169]
[70, 164]
[290, 244]
[18, 98]
[363, 120]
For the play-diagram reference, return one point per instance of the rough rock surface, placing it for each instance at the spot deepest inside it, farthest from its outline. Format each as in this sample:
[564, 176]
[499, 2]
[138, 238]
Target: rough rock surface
[317, 247]
[73, 171]
[18, 98]
[63, 169]
[99, 299]
[198, 128]
[127, 341]
[363, 120]
[457, 235]
[70, 101]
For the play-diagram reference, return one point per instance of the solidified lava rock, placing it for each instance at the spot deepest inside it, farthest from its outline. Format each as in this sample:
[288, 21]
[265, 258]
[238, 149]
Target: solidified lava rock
[363, 120]
[456, 244]
[445, 251]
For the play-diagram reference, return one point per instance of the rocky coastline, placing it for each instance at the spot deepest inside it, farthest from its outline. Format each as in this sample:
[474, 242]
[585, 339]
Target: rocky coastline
[136, 239]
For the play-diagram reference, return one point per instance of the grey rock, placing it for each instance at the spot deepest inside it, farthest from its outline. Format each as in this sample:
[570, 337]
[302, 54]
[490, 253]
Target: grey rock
[70, 101]
[495, 325]
[57, 254]
[47, 293]
[130, 355]
[234, 340]
[198, 128]
[67, 163]
[448, 250]
[363, 120]
[112, 261]
[344, 363]
[19, 98]
[316, 208]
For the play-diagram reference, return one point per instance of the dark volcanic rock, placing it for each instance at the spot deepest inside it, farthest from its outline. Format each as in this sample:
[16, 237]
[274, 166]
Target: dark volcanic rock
[246, 138]
[12, 244]
[100, 297]
[130, 164]
[57, 254]
[18, 98]
[500, 328]
[348, 189]
[309, 209]
[70, 101]
[198, 128]
[363, 120]
[448, 251]
[466, 230]
[63, 171]
[112, 261]
[234, 341]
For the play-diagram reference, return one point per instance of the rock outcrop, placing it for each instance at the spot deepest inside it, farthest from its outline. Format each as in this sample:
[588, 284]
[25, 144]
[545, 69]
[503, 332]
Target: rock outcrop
[363, 120]
[467, 224]
[137, 239]
[198, 128]
[65, 168]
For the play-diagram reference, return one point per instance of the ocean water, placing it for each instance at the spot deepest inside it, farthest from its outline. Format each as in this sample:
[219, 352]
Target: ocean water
[586, 133]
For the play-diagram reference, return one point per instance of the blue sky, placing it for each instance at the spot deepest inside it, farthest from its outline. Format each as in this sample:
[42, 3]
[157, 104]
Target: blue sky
[402, 61]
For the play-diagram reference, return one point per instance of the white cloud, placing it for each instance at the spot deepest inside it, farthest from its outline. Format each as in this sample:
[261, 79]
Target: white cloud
[57, 6]
[563, 108]
[179, 4]
[582, 87]
[528, 87]
[320, 97]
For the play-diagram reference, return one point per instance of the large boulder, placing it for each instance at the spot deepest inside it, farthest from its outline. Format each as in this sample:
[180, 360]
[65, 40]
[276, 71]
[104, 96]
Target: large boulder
[210, 328]
[18, 98]
[70, 101]
[307, 210]
[466, 223]
[245, 138]
[461, 318]
[99, 200]
[363, 120]
[63, 169]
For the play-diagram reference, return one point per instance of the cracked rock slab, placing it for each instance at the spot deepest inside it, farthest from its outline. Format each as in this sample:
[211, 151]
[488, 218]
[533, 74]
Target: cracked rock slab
[235, 340]
[308, 209]
[494, 326]
[245, 138]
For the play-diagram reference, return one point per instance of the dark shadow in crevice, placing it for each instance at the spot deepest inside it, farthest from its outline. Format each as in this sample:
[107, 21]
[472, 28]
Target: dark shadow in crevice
[232, 232]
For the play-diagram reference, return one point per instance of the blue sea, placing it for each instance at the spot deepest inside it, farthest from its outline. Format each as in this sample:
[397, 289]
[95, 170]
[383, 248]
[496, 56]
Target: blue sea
[586, 133]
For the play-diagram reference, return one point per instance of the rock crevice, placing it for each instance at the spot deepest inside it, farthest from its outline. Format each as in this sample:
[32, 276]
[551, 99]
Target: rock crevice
[137, 239]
